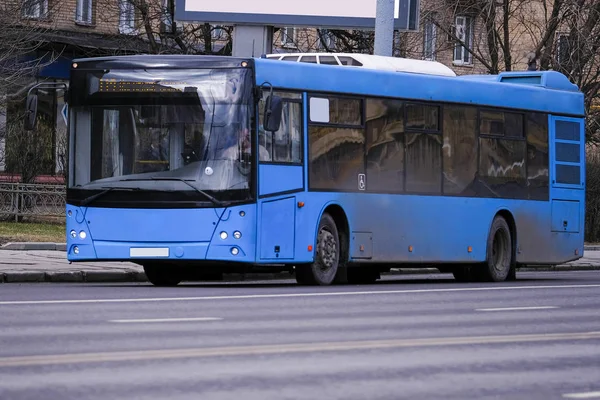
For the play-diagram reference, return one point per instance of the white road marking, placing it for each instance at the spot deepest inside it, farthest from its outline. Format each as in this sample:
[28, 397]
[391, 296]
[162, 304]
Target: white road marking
[133, 321]
[516, 308]
[290, 295]
[588, 395]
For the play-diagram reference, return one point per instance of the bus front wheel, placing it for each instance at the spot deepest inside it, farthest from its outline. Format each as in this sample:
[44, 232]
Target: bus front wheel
[499, 262]
[327, 256]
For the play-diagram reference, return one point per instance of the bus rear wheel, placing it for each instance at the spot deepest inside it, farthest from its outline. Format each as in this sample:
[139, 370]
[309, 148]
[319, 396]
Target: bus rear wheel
[162, 275]
[499, 262]
[327, 256]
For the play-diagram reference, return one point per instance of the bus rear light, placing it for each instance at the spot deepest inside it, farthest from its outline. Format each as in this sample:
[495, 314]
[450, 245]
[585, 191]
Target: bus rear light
[469, 249]
[576, 252]
[309, 247]
[410, 249]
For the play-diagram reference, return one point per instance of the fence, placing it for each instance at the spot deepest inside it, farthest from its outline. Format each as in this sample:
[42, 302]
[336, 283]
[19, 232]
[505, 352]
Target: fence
[19, 201]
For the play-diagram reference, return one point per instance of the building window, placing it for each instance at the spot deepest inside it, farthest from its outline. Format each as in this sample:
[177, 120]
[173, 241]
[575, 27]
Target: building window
[126, 17]
[463, 29]
[563, 49]
[429, 39]
[326, 40]
[217, 33]
[288, 36]
[167, 16]
[35, 8]
[83, 13]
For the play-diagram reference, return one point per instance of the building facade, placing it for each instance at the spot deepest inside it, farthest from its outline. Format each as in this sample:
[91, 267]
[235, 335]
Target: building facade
[453, 32]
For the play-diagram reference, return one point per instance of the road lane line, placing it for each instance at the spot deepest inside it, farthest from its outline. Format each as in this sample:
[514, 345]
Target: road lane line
[137, 355]
[588, 395]
[290, 295]
[516, 308]
[133, 321]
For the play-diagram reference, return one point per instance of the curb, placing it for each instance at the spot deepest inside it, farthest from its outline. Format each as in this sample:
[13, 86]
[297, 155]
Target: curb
[132, 276]
[25, 246]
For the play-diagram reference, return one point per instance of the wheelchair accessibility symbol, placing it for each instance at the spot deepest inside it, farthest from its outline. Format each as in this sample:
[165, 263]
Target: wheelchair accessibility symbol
[361, 181]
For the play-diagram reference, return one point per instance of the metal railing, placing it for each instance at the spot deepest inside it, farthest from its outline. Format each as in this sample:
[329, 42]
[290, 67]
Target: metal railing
[18, 200]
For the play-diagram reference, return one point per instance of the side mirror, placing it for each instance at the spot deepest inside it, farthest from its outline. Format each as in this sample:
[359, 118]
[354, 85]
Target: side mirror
[273, 109]
[31, 112]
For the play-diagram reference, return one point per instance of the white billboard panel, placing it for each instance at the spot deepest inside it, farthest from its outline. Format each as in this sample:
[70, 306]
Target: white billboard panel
[340, 14]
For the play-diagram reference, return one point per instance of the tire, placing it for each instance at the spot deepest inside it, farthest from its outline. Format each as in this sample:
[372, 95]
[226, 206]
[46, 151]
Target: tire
[500, 260]
[162, 275]
[327, 256]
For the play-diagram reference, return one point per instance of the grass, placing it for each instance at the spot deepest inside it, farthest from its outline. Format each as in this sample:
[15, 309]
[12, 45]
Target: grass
[31, 232]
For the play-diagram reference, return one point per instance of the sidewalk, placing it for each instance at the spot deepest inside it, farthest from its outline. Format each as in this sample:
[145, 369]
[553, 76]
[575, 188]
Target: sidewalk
[46, 262]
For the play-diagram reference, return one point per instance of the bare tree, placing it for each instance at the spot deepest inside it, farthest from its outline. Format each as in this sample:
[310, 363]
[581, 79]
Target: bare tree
[153, 21]
[22, 55]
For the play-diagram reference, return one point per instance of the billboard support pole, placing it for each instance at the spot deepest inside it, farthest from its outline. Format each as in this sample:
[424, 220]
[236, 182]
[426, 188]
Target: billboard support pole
[252, 40]
[384, 28]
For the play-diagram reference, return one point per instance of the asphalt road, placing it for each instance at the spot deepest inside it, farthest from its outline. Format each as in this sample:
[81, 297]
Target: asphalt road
[419, 337]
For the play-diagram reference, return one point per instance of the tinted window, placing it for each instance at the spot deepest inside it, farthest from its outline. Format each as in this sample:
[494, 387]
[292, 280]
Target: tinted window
[328, 60]
[349, 61]
[337, 157]
[498, 123]
[309, 59]
[285, 144]
[342, 111]
[502, 167]
[491, 123]
[419, 116]
[566, 130]
[385, 145]
[460, 148]
[537, 155]
[513, 124]
[423, 163]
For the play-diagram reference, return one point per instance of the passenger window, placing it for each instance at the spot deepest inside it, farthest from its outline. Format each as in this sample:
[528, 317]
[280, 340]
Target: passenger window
[285, 144]
[494, 123]
[491, 123]
[422, 117]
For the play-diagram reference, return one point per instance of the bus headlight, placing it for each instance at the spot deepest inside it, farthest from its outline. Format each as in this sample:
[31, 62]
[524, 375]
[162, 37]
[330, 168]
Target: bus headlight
[223, 235]
[82, 234]
[73, 234]
[237, 234]
[234, 251]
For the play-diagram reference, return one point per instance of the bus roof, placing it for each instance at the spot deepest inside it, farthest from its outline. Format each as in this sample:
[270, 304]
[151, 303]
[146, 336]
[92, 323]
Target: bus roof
[369, 61]
[545, 91]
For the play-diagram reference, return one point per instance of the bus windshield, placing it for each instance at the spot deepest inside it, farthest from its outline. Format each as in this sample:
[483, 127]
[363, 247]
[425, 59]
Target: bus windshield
[177, 130]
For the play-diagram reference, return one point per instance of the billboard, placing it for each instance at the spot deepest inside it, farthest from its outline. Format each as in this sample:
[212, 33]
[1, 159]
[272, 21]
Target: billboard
[333, 14]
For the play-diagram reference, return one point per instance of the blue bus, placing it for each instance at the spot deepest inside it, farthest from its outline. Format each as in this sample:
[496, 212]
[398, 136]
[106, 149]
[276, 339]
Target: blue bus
[192, 164]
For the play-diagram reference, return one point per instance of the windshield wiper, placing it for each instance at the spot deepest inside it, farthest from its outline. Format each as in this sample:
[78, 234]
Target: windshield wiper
[93, 197]
[202, 192]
